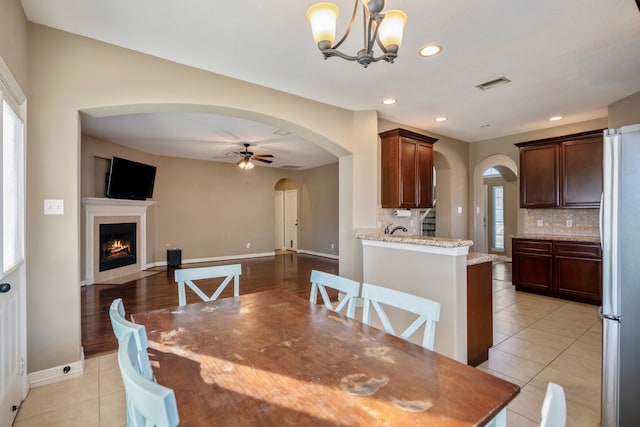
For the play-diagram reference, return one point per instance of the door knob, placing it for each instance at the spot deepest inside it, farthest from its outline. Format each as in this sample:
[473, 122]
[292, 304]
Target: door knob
[4, 288]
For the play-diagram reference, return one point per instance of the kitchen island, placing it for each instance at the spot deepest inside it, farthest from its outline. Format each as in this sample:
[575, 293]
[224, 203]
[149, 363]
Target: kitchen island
[431, 267]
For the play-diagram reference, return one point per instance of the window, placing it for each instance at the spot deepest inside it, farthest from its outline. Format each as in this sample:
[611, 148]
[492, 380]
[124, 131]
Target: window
[12, 187]
[491, 172]
[497, 199]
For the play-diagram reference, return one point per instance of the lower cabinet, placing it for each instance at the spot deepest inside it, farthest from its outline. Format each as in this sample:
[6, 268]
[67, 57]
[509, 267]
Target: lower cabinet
[569, 270]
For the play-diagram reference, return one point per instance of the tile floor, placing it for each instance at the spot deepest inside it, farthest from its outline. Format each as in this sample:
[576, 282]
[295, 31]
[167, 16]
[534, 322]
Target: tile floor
[536, 340]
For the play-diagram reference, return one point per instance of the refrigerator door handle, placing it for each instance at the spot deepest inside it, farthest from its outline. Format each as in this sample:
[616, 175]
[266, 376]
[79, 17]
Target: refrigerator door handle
[601, 218]
[609, 226]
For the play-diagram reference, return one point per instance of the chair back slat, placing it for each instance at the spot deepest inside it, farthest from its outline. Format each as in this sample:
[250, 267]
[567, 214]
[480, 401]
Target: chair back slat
[349, 289]
[554, 407]
[186, 277]
[428, 311]
[122, 326]
[147, 403]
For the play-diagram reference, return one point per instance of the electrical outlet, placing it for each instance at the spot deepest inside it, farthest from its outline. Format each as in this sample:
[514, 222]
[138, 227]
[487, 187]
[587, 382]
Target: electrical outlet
[248, 245]
[333, 246]
[459, 209]
[569, 223]
[540, 223]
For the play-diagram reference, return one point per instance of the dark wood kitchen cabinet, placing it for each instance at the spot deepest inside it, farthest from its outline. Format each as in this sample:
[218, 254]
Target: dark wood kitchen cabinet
[532, 262]
[563, 172]
[540, 176]
[563, 269]
[406, 169]
[582, 172]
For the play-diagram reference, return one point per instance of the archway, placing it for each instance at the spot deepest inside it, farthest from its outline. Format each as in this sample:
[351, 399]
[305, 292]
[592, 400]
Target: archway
[508, 170]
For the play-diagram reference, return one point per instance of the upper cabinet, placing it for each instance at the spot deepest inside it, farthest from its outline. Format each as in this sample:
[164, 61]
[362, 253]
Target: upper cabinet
[563, 172]
[407, 169]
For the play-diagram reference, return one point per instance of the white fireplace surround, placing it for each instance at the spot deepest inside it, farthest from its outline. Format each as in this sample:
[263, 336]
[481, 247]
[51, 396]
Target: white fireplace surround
[103, 207]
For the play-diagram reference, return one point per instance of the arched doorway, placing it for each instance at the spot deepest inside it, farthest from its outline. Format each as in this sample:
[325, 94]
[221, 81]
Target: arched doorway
[495, 204]
[286, 216]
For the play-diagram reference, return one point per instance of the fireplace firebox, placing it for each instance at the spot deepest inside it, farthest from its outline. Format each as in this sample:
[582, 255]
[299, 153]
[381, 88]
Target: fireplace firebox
[117, 245]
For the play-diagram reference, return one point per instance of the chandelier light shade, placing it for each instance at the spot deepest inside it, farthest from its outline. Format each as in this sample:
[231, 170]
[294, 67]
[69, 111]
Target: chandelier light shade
[384, 29]
[390, 31]
[323, 17]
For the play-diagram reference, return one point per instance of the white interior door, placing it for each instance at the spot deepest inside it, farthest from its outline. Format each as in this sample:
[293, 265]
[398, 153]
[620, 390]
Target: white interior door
[13, 377]
[278, 226]
[291, 220]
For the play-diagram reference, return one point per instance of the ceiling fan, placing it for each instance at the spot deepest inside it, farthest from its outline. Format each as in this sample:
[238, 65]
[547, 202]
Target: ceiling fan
[247, 156]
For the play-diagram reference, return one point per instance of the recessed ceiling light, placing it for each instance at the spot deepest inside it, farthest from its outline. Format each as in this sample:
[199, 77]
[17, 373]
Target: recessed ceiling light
[389, 101]
[430, 50]
[442, 119]
[282, 132]
[555, 118]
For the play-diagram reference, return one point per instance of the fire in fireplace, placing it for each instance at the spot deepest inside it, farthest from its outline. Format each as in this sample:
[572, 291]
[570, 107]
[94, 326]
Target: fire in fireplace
[117, 245]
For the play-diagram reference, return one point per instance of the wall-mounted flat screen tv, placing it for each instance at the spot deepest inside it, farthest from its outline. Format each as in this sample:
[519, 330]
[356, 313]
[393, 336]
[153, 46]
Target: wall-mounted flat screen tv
[130, 180]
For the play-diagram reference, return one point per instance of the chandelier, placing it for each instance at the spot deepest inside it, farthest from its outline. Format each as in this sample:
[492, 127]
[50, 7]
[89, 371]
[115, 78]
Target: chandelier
[383, 29]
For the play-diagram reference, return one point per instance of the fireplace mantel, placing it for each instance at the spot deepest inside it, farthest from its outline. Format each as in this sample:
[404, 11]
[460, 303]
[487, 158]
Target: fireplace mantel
[104, 207]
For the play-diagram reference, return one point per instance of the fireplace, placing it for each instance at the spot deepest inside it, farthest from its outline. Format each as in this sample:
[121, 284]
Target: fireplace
[117, 245]
[100, 210]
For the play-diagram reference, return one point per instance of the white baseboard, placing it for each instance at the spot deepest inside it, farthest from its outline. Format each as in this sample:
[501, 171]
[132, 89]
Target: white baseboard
[212, 259]
[57, 374]
[303, 251]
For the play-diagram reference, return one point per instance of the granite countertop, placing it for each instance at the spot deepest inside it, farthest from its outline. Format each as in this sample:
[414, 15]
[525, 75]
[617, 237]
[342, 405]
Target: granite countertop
[414, 240]
[564, 238]
[474, 258]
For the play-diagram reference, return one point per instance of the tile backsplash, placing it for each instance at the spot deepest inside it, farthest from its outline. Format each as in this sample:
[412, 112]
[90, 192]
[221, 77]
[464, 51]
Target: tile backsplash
[411, 223]
[584, 222]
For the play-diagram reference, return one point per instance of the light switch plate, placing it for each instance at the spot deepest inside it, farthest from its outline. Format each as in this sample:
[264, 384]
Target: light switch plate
[53, 207]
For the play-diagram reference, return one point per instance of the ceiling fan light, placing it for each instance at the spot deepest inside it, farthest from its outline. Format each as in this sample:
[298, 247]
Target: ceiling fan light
[245, 165]
[323, 17]
[391, 29]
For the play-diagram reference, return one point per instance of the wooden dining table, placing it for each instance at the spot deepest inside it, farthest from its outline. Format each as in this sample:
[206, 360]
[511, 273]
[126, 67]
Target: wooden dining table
[274, 359]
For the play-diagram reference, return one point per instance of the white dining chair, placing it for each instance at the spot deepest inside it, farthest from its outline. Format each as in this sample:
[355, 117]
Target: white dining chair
[121, 326]
[186, 277]
[554, 407]
[349, 290]
[147, 403]
[428, 311]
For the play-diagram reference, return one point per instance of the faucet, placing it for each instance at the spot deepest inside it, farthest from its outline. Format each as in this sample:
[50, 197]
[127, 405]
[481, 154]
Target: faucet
[398, 228]
[386, 229]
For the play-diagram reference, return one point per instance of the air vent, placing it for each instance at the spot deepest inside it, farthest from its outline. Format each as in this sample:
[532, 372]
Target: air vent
[493, 83]
[290, 167]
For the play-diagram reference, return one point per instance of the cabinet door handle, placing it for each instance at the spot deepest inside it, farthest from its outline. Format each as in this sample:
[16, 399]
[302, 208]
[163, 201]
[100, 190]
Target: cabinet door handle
[4, 288]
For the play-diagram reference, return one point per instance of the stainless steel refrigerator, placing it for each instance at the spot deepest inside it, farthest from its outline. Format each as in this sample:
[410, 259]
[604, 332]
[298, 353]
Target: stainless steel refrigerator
[620, 237]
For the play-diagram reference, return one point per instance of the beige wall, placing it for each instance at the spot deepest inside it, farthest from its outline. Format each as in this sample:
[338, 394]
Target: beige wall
[212, 209]
[625, 111]
[318, 201]
[70, 74]
[13, 40]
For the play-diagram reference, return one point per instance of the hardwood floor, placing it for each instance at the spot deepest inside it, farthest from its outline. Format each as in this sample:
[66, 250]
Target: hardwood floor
[290, 272]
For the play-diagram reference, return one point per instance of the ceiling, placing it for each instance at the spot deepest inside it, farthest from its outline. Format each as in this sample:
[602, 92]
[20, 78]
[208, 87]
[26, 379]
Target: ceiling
[570, 58]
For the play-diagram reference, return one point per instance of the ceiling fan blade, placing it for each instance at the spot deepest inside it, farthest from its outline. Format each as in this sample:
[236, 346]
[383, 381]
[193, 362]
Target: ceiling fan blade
[262, 160]
[263, 155]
